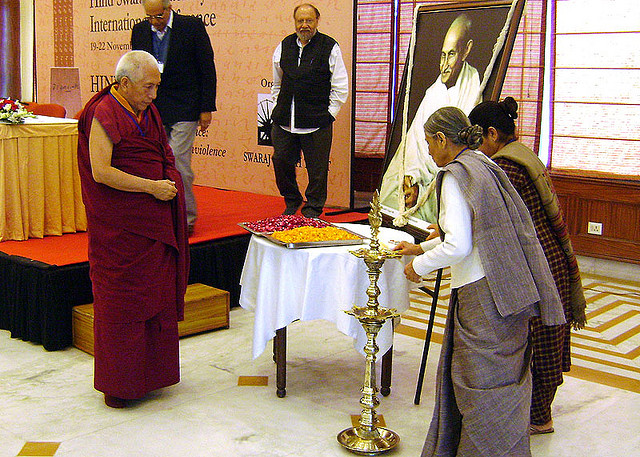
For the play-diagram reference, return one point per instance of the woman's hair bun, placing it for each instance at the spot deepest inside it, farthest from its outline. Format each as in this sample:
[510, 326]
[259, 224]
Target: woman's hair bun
[510, 107]
[471, 136]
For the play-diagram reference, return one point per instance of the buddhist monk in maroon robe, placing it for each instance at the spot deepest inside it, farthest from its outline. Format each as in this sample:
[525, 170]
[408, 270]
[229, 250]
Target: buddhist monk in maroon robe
[138, 244]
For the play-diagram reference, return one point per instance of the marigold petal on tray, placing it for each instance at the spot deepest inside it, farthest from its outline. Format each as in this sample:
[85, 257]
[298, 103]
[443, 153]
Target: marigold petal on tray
[312, 234]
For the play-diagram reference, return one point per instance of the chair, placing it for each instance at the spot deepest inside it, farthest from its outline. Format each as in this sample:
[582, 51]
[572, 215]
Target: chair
[47, 109]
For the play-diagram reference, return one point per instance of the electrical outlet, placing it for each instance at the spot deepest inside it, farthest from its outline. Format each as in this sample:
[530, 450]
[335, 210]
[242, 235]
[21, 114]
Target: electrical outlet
[594, 228]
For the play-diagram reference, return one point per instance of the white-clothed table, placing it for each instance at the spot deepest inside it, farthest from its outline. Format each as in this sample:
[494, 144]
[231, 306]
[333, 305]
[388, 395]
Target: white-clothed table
[281, 285]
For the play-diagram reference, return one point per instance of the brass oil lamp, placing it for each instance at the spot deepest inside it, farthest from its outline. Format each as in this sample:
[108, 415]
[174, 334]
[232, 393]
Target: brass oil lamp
[367, 438]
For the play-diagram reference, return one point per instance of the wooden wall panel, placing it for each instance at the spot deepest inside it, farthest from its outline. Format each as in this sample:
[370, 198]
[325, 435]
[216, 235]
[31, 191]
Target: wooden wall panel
[626, 221]
[613, 202]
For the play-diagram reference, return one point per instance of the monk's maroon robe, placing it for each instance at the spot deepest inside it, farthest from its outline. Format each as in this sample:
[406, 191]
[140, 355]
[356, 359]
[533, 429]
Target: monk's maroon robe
[138, 254]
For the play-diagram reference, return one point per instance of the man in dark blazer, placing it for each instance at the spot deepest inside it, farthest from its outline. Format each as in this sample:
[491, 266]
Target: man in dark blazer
[187, 93]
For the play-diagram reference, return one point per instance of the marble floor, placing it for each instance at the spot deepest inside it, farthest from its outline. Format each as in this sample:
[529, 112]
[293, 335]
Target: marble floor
[48, 397]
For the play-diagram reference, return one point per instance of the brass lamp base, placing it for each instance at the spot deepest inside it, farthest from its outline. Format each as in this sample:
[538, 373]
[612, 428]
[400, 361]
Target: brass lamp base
[382, 440]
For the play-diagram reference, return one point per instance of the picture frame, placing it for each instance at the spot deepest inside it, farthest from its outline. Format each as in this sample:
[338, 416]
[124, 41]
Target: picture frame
[491, 27]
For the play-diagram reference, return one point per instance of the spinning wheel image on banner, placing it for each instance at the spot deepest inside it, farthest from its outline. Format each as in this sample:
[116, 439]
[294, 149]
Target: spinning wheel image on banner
[265, 106]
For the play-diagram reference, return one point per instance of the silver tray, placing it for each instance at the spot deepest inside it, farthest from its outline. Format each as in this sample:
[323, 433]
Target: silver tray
[309, 244]
[255, 232]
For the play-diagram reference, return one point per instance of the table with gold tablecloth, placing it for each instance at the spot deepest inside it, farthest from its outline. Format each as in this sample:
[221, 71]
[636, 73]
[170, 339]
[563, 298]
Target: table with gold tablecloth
[39, 182]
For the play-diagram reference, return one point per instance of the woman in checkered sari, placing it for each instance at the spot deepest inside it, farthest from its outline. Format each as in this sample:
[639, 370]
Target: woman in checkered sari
[551, 351]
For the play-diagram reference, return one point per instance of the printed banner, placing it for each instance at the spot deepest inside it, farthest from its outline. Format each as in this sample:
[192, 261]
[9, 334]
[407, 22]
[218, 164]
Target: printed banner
[235, 152]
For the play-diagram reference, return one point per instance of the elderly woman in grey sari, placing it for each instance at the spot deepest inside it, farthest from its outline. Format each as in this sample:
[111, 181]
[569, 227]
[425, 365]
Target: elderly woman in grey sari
[499, 280]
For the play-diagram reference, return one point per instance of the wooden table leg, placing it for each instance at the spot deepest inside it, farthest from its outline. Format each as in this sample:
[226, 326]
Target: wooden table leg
[275, 356]
[280, 354]
[385, 381]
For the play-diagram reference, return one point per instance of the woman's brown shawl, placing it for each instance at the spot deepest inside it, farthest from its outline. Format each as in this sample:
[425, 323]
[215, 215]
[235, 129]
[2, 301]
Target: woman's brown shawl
[522, 155]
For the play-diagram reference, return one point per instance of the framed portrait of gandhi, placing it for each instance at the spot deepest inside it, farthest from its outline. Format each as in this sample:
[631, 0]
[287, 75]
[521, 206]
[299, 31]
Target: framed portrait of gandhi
[458, 56]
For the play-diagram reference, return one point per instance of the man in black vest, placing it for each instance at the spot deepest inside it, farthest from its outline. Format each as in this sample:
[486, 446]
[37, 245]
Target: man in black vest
[187, 92]
[310, 85]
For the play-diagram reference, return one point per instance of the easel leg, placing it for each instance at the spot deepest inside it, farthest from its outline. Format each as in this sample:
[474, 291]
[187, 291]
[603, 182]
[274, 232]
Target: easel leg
[387, 364]
[427, 340]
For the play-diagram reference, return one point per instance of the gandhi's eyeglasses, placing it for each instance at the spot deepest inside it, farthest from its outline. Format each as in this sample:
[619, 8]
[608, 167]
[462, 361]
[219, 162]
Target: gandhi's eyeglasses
[156, 16]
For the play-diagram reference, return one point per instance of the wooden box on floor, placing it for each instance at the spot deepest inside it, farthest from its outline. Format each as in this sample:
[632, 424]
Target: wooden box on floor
[205, 308]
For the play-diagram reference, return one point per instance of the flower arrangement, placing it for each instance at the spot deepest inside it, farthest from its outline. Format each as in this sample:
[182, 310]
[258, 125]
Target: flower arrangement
[13, 112]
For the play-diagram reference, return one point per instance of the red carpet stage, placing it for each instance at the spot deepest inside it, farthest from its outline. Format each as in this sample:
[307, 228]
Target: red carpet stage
[43, 279]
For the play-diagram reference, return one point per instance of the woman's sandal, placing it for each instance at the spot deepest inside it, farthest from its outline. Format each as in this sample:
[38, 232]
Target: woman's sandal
[540, 429]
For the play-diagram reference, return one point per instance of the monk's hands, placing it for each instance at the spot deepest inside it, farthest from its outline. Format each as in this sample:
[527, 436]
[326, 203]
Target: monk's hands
[163, 189]
[406, 248]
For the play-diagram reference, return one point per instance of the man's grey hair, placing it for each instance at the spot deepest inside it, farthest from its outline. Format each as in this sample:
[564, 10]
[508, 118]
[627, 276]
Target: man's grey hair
[306, 5]
[165, 3]
[133, 64]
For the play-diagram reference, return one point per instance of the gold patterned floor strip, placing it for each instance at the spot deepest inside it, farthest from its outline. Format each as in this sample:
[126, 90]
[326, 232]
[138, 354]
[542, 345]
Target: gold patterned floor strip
[606, 351]
[607, 379]
[39, 449]
[253, 381]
